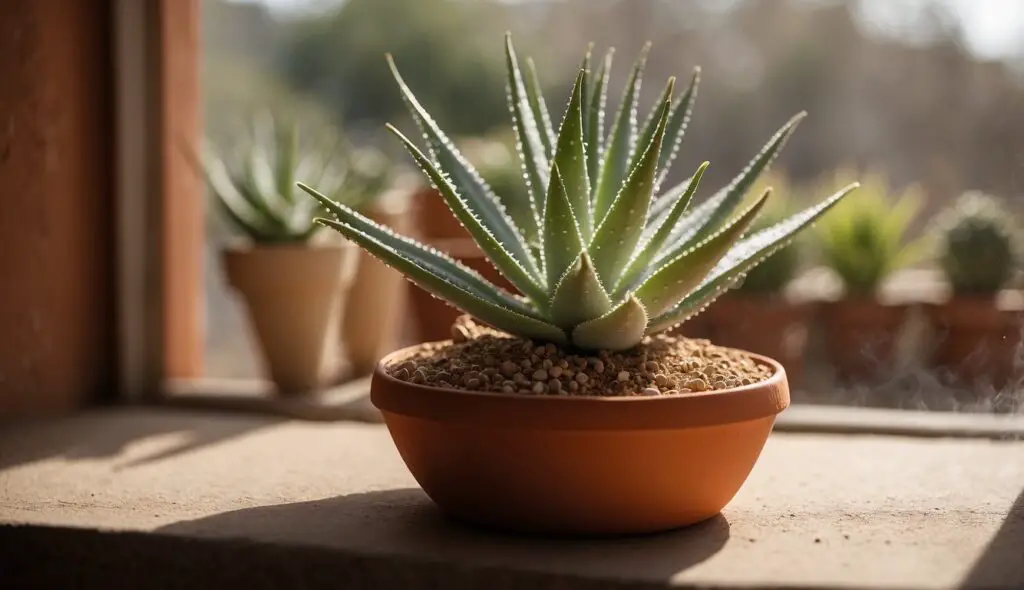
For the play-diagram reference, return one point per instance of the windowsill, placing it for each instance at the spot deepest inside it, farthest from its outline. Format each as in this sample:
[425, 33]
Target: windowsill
[212, 499]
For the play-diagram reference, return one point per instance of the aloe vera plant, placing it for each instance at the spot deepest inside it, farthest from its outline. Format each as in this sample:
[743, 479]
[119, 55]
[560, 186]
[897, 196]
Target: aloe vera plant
[253, 182]
[605, 254]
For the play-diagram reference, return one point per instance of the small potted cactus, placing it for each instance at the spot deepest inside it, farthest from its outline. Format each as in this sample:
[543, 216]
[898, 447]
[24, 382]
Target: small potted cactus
[566, 408]
[758, 315]
[864, 241]
[978, 332]
[291, 276]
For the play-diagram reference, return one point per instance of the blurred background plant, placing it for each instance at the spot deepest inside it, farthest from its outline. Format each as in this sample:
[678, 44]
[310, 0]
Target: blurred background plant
[868, 238]
[251, 177]
[979, 245]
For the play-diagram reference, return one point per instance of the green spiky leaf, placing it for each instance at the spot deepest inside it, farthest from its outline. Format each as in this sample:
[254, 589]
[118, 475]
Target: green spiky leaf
[614, 165]
[562, 240]
[620, 329]
[652, 246]
[482, 202]
[571, 160]
[745, 255]
[616, 238]
[539, 108]
[468, 213]
[670, 283]
[597, 101]
[529, 142]
[579, 295]
[713, 212]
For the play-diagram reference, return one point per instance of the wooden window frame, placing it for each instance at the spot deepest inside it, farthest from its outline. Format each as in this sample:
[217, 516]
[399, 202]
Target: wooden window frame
[159, 196]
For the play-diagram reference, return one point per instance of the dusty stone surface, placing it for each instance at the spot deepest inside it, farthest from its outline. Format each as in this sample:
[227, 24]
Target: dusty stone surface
[478, 358]
[273, 503]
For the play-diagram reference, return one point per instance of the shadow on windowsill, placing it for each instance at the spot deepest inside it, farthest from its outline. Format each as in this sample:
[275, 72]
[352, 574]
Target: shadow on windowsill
[1002, 563]
[88, 435]
[405, 523]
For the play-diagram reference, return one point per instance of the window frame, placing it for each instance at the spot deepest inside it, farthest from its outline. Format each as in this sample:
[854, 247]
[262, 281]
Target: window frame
[158, 195]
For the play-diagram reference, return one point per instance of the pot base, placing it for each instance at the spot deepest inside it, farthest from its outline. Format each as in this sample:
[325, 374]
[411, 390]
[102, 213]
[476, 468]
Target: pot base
[576, 465]
[575, 482]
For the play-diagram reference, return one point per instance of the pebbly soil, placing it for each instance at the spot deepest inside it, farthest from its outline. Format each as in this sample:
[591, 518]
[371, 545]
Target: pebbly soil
[479, 358]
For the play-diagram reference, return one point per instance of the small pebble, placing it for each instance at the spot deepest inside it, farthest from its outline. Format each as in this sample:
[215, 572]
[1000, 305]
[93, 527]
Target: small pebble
[540, 375]
[623, 376]
[459, 333]
[555, 371]
[582, 378]
[555, 385]
[538, 388]
[651, 391]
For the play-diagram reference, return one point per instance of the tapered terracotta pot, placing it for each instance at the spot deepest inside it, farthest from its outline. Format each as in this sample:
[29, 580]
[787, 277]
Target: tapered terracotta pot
[293, 295]
[579, 465]
[375, 301]
[978, 342]
[769, 325]
[434, 316]
[861, 337]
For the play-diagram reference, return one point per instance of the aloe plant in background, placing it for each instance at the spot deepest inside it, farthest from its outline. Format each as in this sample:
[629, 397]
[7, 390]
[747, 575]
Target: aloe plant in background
[293, 286]
[253, 179]
[866, 239]
[604, 254]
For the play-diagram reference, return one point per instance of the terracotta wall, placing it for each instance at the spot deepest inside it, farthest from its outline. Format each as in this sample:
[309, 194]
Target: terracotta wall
[56, 205]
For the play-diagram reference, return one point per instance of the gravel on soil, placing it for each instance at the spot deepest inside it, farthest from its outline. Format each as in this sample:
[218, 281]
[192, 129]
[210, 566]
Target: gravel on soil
[479, 358]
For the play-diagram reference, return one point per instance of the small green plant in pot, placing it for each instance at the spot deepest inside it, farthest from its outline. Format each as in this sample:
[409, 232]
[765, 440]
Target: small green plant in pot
[291, 276]
[758, 315]
[864, 241]
[542, 412]
[979, 333]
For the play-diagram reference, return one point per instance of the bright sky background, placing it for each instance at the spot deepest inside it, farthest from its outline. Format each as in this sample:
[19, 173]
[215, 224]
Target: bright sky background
[994, 28]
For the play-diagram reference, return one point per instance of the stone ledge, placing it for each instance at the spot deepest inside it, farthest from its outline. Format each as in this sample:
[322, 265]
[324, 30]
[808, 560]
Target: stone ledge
[156, 498]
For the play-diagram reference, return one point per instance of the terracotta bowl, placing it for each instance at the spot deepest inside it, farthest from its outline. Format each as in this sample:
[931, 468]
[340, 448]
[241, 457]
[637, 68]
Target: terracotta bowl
[579, 465]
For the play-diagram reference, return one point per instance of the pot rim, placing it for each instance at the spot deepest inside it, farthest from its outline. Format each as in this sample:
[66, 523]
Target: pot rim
[567, 412]
[245, 246]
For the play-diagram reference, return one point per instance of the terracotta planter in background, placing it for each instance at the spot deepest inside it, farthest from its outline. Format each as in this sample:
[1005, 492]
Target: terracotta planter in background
[978, 341]
[579, 465]
[293, 295]
[771, 326]
[376, 299]
[861, 337]
[434, 316]
[433, 220]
